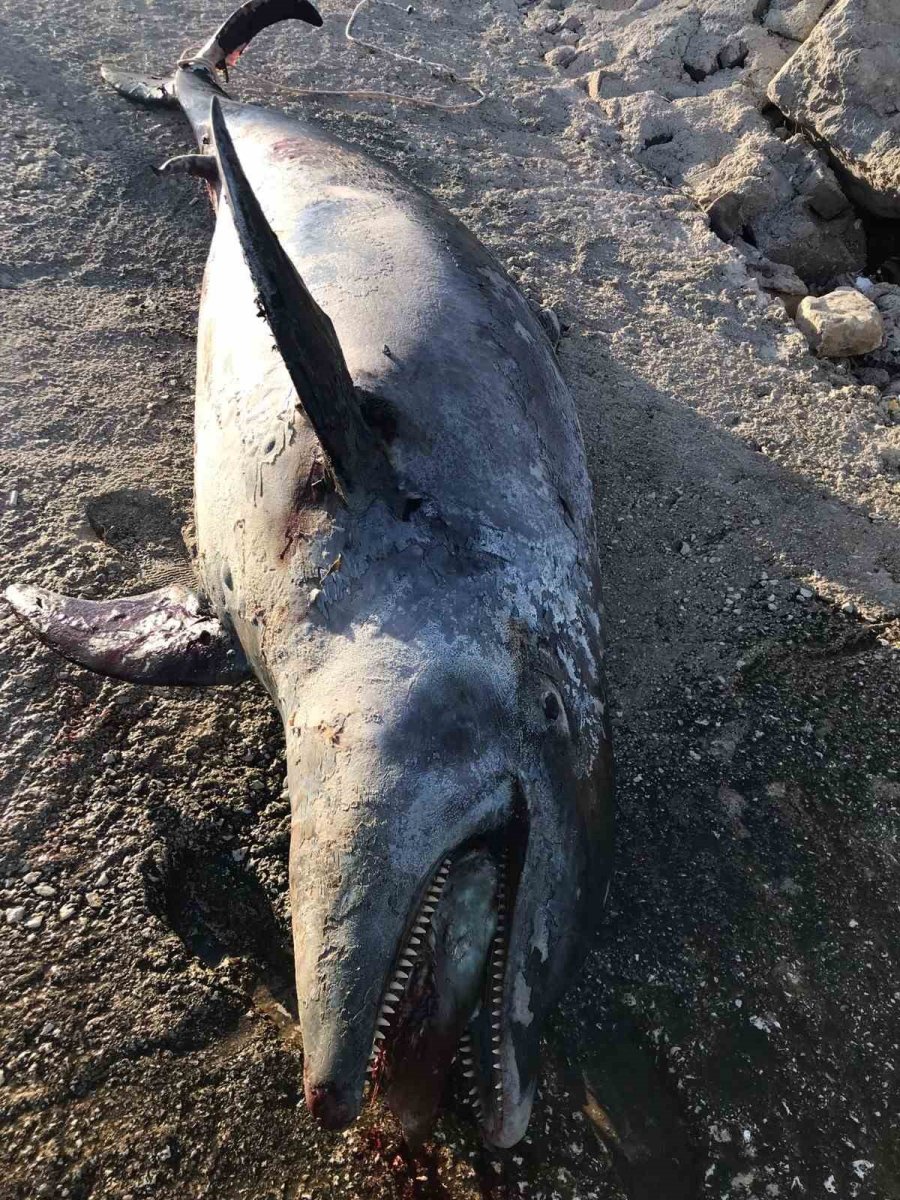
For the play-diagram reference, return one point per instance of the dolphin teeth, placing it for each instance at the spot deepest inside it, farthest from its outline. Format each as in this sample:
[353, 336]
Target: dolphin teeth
[383, 1023]
[388, 1010]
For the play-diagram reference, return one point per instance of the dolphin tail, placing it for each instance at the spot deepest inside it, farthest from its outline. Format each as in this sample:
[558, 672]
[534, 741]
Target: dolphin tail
[162, 637]
[219, 53]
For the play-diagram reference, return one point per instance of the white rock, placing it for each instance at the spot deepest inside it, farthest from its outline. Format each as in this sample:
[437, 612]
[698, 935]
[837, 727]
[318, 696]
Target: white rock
[841, 323]
[15, 916]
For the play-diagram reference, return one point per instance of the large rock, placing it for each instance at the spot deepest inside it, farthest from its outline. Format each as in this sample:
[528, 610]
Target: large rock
[794, 19]
[843, 86]
[776, 194]
[685, 81]
[842, 324]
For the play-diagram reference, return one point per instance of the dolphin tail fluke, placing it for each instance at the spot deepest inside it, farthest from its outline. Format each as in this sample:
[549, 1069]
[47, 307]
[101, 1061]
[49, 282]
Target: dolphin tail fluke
[222, 50]
[230, 40]
[304, 335]
[162, 637]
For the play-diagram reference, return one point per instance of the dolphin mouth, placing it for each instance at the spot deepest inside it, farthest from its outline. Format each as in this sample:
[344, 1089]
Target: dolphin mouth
[445, 1009]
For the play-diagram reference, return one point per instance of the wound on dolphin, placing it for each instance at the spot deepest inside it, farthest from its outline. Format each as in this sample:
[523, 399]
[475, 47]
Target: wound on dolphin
[400, 547]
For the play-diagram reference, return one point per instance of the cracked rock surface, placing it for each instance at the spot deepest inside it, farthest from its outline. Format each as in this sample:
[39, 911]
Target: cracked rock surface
[686, 85]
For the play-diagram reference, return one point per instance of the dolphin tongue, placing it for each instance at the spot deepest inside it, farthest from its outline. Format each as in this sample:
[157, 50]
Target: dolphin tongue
[443, 994]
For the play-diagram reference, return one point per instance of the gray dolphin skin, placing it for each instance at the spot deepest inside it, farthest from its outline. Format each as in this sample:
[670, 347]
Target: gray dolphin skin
[394, 531]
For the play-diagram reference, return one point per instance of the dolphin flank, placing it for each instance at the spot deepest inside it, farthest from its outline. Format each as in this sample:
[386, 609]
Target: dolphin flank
[394, 534]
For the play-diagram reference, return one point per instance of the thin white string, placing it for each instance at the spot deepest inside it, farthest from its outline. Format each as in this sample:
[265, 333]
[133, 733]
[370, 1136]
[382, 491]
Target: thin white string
[440, 70]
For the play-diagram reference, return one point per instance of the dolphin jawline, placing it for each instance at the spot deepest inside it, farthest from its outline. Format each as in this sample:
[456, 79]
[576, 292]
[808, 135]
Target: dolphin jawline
[437, 1011]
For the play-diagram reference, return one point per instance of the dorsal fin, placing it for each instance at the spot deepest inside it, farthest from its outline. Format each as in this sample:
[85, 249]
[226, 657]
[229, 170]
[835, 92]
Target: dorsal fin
[304, 335]
[162, 637]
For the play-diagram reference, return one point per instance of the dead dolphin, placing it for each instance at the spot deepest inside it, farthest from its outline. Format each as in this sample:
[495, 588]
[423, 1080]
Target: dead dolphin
[394, 534]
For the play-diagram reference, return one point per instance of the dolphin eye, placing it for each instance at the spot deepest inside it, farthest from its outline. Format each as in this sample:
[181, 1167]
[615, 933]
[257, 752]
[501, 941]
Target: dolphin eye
[551, 707]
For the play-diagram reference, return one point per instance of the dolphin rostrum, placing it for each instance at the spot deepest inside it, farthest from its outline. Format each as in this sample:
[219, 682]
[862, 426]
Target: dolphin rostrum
[394, 533]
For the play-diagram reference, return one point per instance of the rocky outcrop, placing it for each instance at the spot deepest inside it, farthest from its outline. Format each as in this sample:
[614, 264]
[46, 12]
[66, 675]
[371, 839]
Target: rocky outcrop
[776, 194]
[686, 85]
[843, 86]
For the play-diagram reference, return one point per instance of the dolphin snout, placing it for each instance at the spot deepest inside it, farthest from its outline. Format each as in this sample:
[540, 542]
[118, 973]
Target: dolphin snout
[331, 1104]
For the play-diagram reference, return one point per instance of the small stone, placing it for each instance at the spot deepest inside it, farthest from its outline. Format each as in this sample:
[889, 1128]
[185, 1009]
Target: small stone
[31, 878]
[45, 889]
[12, 499]
[594, 81]
[15, 915]
[874, 376]
[67, 912]
[825, 196]
[550, 322]
[560, 57]
[840, 324]
[94, 899]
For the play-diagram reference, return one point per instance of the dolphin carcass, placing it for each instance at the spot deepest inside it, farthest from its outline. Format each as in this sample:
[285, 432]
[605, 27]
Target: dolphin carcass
[394, 534]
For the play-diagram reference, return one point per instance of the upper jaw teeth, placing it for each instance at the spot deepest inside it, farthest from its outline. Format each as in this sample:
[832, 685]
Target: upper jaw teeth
[410, 952]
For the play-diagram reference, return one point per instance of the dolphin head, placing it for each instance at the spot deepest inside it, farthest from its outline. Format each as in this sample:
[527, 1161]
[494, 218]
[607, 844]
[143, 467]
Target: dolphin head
[451, 829]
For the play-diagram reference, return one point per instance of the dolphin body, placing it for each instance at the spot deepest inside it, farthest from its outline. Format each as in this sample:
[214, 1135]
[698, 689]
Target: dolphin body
[394, 533]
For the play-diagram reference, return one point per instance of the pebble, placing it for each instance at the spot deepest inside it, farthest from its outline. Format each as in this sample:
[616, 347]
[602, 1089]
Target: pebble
[67, 912]
[32, 877]
[12, 499]
[35, 922]
[45, 889]
[15, 915]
